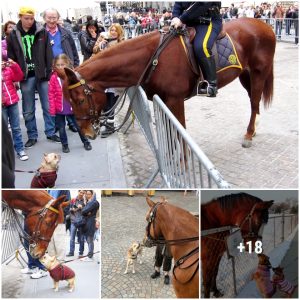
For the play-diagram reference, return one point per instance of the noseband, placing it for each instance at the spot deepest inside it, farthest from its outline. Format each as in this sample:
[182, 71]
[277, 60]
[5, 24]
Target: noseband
[93, 114]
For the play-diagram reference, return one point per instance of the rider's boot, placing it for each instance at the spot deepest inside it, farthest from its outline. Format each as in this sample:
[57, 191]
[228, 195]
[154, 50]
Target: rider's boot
[209, 87]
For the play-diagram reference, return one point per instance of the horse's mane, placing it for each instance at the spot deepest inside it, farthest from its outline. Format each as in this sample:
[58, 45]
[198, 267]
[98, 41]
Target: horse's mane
[228, 202]
[125, 46]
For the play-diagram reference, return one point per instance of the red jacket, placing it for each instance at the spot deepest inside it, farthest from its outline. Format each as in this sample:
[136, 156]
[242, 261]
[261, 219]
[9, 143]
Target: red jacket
[9, 76]
[55, 95]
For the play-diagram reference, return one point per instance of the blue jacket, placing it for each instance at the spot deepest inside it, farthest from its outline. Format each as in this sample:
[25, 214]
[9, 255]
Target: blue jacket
[90, 211]
[190, 12]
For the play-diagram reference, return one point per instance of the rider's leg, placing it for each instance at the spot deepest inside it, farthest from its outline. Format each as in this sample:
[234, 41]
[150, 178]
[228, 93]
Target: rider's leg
[203, 43]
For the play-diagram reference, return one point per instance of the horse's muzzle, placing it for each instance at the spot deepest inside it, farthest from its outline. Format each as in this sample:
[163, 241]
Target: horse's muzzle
[147, 242]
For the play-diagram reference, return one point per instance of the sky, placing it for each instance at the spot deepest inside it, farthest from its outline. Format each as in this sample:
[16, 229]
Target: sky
[276, 195]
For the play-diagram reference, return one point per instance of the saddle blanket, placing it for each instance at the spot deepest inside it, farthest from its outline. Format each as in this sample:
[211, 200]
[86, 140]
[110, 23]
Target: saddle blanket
[225, 54]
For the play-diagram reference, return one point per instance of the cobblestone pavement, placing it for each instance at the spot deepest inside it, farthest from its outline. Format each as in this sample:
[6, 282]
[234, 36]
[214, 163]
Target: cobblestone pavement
[123, 221]
[218, 125]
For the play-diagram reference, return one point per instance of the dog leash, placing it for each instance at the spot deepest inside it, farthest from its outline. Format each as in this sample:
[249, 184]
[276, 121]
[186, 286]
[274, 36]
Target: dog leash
[67, 261]
[23, 171]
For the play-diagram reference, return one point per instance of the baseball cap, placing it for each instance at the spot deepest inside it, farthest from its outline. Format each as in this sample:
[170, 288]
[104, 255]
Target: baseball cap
[26, 10]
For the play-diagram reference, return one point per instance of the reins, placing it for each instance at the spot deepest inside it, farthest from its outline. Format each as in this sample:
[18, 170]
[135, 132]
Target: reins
[98, 120]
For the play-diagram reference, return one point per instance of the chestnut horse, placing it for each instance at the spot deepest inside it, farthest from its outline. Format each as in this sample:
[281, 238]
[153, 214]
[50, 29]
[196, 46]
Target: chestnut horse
[179, 230]
[173, 80]
[245, 211]
[42, 214]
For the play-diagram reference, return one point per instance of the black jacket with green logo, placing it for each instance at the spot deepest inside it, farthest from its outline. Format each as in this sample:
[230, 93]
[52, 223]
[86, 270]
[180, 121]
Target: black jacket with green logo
[34, 52]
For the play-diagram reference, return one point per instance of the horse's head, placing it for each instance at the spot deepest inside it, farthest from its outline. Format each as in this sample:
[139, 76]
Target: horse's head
[87, 100]
[41, 225]
[153, 231]
[252, 219]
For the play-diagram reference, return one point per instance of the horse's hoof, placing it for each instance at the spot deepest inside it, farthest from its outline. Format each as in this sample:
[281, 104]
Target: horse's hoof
[246, 143]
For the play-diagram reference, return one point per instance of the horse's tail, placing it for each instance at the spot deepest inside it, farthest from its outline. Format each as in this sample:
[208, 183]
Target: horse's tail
[268, 89]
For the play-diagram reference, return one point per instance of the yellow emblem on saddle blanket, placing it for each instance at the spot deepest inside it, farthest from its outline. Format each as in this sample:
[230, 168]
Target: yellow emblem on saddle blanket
[232, 59]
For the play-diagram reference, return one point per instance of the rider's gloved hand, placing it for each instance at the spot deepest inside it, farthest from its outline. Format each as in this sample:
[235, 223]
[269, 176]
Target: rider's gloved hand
[176, 22]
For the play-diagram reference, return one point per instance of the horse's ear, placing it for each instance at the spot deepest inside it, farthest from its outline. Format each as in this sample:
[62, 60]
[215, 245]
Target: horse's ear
[163, 199]
[59, 201]
[265, 204]
[70, 74]
[65, 204]
[58, 205]
[61, 73]
[150, 202]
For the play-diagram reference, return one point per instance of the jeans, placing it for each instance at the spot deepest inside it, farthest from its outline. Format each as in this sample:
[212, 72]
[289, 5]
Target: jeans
[61, 125]
[90, 241]
[73, 231]
[32, 262]
[11, 114]
[28, 106]
[278, 28]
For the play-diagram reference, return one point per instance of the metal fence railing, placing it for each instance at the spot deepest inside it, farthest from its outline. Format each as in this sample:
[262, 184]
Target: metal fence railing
[235, 272]
[180, 161]
[10, 241]
[285, 29]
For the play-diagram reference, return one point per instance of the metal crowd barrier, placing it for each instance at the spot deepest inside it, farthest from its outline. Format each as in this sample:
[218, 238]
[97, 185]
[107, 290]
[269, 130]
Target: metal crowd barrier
[10, 243]
[181, 163]
[234, 271]
[286, 30]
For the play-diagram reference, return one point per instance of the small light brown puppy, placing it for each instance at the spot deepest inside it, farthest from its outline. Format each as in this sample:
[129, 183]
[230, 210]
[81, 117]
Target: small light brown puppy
[46, 174]
[262, 277]
[133, 252]
[284, 286]
[58, 272]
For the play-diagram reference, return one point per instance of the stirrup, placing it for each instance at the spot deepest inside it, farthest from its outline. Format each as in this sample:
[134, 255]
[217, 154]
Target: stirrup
[202, 85]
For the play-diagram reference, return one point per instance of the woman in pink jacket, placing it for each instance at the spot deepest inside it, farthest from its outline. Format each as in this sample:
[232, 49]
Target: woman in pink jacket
[60, 107]
[11, 73]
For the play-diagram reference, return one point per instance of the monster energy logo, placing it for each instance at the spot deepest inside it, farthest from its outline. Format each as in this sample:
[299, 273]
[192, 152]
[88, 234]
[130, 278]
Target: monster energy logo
[27, 42]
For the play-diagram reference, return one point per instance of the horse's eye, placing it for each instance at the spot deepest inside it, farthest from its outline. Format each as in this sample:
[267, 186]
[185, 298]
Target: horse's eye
[81, 101]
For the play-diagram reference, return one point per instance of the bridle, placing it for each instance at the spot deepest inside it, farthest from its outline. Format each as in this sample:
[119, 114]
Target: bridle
[93, 114]
[36, 234]
[151, 241]
[248, 218]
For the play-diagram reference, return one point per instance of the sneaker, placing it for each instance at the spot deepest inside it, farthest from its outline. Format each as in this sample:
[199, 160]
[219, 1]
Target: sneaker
[22, 155]
[39, 274]
[70, 254]
[65, 148]
[28, 271]
[54, 138]
[87, 146]
[30, 143]
[81, 256]
[86, 259]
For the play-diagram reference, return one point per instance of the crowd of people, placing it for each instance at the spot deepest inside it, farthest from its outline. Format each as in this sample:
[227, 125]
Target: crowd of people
[81, 224]
[32, 53]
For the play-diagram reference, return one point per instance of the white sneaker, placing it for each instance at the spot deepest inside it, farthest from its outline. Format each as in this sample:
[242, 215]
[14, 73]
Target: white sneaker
[39, 274]
[22, 155]
[28, 271]
[86, 259]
